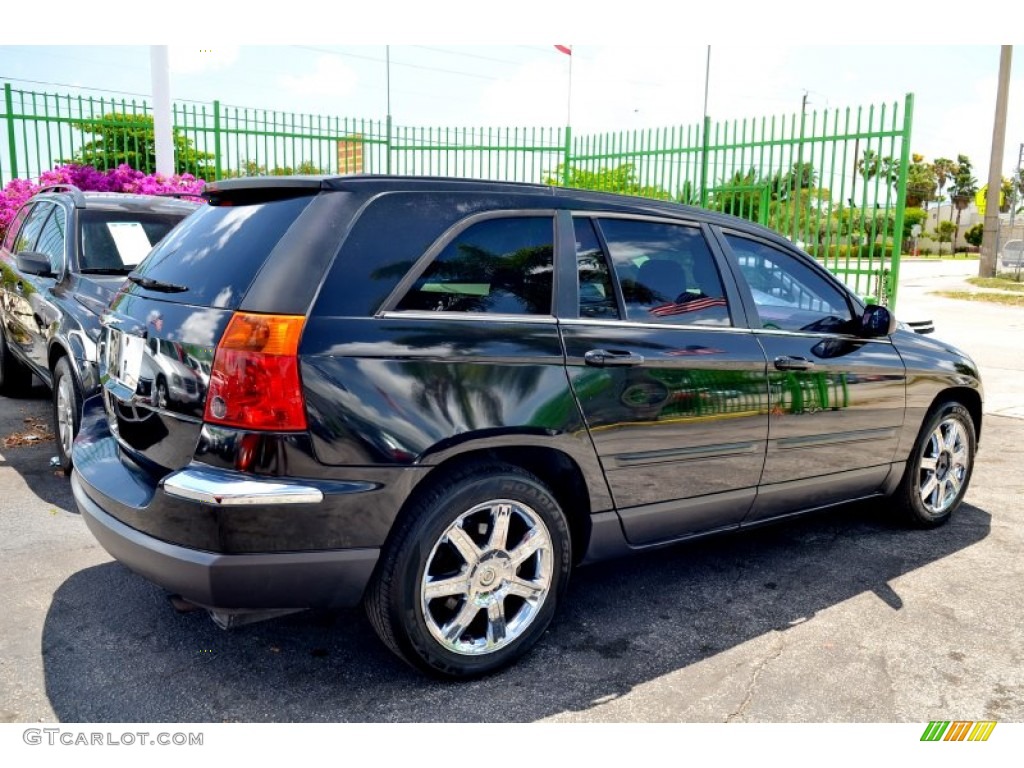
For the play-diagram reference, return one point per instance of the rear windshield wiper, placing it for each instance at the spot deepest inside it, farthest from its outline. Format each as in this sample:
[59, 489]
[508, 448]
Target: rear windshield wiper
[156, 285]
[106, 270]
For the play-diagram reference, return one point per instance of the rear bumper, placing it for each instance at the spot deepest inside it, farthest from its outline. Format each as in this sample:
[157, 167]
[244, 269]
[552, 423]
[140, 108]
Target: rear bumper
[232, 582]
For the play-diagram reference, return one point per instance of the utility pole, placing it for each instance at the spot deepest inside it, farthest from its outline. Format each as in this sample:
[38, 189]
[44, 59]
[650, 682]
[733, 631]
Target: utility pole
[989, 245]
[159, 71]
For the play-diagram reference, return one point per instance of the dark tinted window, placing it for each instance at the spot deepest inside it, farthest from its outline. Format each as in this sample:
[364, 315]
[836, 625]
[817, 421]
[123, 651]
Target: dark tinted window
[499, 265]
[597, 297]
[29, 233]
[217, 251]
[118, 240]
[51, 239]
[790, 295]
[667, 273]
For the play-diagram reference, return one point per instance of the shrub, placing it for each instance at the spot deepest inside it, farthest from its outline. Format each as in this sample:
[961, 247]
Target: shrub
[88, 179]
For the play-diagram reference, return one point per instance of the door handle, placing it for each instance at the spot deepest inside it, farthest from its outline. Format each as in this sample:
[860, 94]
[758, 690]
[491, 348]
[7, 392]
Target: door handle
[786, 363]
[601, 358]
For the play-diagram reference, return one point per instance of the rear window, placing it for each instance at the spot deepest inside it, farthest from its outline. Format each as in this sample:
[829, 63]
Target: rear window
[217, 251]
[119, 240]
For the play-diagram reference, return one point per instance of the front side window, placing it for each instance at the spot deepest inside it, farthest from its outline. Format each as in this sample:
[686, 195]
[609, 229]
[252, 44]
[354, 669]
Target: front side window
[12, 231]
[667, 273]
[500, 266]
[51, 240]
[789, 295]
[26, 240]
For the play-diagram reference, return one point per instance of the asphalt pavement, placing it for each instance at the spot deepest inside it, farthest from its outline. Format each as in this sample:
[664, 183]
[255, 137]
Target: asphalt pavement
[838, 617]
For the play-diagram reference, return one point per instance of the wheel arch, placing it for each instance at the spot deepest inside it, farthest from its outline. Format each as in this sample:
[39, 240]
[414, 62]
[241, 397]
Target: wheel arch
[967, 397]
[555, 468]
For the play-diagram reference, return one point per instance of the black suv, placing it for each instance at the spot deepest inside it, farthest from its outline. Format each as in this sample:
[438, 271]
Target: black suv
[438, 396]
[64, 256]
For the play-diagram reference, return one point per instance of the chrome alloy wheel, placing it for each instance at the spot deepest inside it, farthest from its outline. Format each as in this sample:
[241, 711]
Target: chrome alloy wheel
[945, 462]
[487, 577]
[65, 414]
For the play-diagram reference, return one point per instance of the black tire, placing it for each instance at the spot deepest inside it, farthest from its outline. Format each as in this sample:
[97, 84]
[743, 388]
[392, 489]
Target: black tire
[15, 378]
[67, 411]
[447, 536]
[939, 469]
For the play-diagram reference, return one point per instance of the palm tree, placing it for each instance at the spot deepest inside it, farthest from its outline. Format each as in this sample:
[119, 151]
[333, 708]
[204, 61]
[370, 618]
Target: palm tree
[945, 169]
[964, 187]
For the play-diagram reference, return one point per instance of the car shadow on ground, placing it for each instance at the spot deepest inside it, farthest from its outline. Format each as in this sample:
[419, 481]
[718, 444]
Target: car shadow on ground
[27, 415]
[115, 650]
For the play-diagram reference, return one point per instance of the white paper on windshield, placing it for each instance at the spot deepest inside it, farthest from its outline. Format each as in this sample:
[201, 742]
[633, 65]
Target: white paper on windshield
[131, 241]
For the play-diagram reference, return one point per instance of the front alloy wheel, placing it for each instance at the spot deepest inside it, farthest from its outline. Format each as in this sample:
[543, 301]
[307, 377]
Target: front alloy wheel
[944, 465]
[67, 411]
[939, 469]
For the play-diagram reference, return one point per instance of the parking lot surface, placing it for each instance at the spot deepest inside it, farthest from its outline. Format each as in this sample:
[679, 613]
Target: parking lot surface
[843, 616]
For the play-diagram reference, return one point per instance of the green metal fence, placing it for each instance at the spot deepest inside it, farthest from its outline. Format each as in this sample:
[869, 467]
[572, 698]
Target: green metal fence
[833, 181]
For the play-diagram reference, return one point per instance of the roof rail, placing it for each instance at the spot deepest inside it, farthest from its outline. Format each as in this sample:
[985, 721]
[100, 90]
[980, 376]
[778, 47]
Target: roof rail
[76, 193]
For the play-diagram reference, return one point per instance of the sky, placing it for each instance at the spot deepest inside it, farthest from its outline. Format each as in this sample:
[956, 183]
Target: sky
[441, 75]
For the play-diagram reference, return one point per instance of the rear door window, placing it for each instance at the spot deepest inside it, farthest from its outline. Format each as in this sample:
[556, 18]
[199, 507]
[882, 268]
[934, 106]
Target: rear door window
[218, 250]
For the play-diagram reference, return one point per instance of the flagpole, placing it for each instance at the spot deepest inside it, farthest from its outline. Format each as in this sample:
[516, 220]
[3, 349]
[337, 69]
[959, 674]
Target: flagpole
[568, 107]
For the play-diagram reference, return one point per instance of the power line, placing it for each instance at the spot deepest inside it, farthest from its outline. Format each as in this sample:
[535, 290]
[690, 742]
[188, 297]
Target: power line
[379, 60]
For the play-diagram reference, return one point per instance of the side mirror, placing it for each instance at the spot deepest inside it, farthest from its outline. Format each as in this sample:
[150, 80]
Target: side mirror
[876, 321]
[34, 263]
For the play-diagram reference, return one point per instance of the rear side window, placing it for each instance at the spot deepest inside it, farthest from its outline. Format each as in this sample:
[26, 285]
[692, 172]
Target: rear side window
[501, 266]
[218, 250]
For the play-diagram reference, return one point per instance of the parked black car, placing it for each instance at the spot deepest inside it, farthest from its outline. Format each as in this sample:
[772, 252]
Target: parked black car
[437, 396]
[62, 259]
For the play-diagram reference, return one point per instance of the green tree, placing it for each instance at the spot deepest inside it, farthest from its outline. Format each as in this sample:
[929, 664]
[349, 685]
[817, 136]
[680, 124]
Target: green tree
[921, 182]
[944, 233]
[912, 216]
[621, 179]
[128, 138]
[974, 234]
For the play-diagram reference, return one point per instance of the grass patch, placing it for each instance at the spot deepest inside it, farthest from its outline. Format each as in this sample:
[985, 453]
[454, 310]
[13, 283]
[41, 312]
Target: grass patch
[1003, 283]
[1009, 299]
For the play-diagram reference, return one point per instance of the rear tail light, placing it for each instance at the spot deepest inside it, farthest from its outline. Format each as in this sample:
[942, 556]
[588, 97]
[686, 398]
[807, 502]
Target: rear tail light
[255, 382]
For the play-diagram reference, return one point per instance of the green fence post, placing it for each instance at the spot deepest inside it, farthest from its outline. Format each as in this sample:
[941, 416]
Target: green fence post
[217, 167]
[387, 147]
[9, 114]
[567, 155]
[901, 198]
[704, 162]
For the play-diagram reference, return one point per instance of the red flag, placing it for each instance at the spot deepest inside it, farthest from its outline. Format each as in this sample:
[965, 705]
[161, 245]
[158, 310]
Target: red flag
[566, 49]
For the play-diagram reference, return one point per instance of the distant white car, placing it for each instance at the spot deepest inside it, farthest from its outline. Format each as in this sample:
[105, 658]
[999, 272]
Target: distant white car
[1013, 254]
